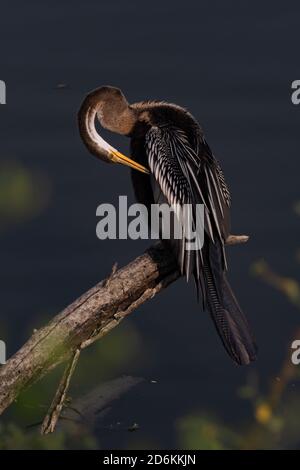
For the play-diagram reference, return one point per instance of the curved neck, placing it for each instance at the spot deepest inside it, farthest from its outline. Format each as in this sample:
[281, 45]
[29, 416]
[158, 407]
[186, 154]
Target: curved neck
[122, 122]
[87, 127]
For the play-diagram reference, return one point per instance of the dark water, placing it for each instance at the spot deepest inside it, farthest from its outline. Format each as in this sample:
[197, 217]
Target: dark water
[231, 63]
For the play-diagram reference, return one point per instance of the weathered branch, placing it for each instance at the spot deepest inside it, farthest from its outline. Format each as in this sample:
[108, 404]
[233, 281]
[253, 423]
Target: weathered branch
[237, 239]
[57, 404]
[91, 316]
[87, 319]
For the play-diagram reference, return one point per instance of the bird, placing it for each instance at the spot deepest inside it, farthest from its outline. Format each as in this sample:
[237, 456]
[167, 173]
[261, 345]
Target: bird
[171, 161]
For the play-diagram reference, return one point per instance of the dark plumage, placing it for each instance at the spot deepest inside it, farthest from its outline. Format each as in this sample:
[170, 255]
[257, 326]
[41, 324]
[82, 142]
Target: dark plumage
[168, 141]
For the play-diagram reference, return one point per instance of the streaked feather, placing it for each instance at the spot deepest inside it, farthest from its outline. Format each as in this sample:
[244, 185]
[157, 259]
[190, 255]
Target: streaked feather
[186, 172]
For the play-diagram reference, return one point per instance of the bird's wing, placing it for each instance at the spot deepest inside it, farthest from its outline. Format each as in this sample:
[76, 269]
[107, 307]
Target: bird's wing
[189, 174]
[220, 191]
[186, 176]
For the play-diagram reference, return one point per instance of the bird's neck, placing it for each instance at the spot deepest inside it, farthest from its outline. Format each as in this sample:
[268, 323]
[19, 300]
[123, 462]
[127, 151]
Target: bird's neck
[120, 121]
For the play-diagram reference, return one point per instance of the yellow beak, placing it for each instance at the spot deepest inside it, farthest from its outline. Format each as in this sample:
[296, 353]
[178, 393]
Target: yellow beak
[118, 157]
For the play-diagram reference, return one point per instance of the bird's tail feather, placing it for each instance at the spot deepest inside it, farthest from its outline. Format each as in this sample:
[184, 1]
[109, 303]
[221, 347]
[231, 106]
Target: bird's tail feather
[228, 317]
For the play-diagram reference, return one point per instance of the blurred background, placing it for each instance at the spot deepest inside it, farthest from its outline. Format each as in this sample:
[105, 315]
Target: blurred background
[156, 381]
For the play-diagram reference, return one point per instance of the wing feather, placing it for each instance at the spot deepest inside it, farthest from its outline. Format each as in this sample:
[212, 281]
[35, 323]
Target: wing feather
[187, 173]
[185, 178]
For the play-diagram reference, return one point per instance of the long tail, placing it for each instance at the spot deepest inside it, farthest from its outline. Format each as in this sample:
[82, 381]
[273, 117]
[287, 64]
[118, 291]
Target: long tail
[225, 311]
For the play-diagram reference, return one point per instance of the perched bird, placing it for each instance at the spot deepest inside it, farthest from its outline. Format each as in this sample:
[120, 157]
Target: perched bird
[171, 161]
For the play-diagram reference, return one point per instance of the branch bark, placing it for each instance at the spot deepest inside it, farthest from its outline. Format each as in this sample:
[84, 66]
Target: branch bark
[87, 319]
[57, 404]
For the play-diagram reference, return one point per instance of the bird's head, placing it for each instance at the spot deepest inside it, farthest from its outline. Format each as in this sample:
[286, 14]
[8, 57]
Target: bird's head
[110, 107]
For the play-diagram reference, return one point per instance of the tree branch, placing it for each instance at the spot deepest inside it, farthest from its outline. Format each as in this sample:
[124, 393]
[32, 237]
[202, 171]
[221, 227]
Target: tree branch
[90, 317]
[87, 319]
[57, 404]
